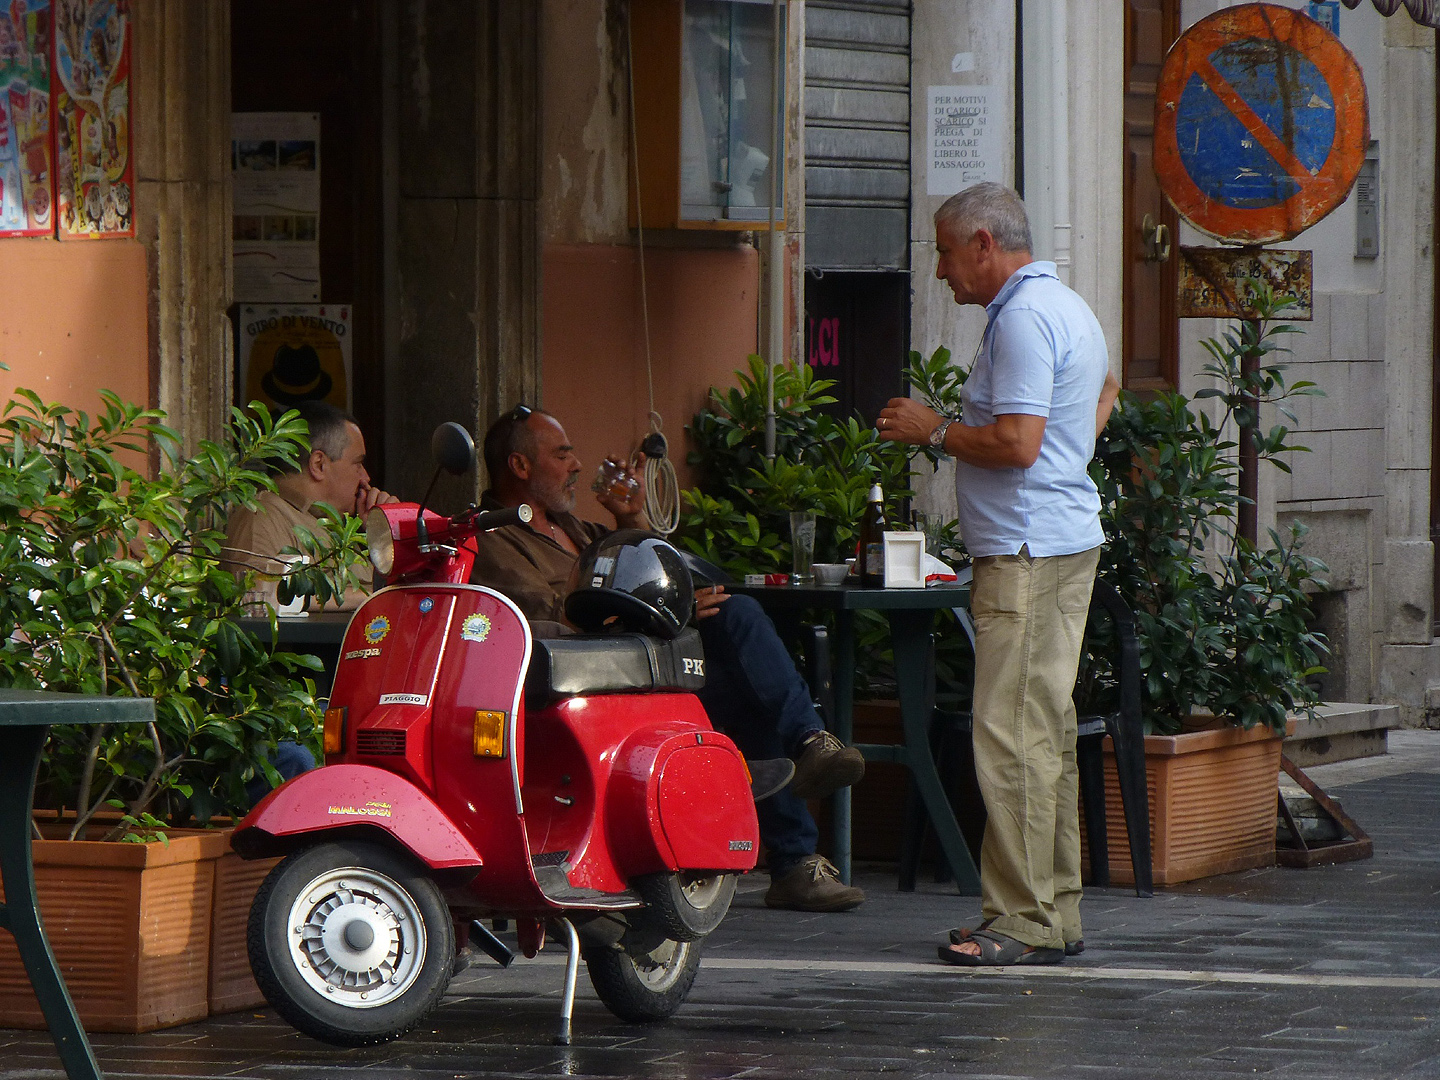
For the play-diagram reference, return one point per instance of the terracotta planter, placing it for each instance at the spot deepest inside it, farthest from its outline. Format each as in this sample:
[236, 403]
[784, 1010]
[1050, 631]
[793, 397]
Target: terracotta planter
[130, 925]
[232, 986]
[1212, 804]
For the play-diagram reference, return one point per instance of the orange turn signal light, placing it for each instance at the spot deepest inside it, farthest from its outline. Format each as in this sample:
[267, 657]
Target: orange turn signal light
[334, 730]
[489, 733]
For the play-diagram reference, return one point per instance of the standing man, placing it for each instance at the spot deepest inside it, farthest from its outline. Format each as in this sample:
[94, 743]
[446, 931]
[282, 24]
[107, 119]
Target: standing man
[1037, 396]
[752, 691]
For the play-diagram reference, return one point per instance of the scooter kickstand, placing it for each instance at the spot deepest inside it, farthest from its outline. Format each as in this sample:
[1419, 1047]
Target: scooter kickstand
[572, 969]
[493, 947]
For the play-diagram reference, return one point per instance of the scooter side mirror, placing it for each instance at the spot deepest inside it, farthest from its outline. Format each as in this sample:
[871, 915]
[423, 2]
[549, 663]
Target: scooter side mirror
[452, 448]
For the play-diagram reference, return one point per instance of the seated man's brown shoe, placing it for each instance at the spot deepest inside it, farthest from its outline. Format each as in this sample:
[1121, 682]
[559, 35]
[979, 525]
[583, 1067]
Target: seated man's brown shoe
[813, 884]
[824, 766]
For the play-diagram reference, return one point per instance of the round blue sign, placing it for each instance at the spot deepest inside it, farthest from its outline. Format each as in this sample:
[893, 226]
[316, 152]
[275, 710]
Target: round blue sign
[1260, 123]
[1281, 89]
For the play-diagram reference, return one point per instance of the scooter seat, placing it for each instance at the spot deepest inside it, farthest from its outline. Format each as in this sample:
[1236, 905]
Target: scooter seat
[613, 664]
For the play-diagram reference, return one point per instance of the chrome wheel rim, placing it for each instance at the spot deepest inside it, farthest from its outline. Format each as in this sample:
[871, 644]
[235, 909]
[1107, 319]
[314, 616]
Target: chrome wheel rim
[702, 892]
[660, 968]
[356, 937]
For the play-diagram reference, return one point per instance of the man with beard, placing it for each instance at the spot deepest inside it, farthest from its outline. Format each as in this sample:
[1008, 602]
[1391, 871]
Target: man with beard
[752, 691]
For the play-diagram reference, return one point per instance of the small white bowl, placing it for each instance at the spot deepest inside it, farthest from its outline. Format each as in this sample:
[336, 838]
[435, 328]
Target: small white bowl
[831, 573]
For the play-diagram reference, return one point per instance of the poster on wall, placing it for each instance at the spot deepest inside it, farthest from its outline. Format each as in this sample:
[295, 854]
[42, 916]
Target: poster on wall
[94, 168]
[275, 161]
[26, 176]
[291, 353]
[963, 129]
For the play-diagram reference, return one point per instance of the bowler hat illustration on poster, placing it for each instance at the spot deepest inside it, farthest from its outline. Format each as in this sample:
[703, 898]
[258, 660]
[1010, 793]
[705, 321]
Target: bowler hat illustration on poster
[296, 376]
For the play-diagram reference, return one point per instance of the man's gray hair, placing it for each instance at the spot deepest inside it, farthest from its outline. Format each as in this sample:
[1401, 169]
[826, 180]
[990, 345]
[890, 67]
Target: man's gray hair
[992, 207]
[329, 427]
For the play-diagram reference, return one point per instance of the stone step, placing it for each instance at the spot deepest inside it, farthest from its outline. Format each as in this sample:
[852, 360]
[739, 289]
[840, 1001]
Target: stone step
[1341, 731]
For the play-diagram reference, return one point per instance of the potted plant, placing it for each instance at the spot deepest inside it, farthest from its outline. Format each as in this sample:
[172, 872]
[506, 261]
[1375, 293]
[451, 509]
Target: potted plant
[110, 583]
[1227, 650]
[736, 517]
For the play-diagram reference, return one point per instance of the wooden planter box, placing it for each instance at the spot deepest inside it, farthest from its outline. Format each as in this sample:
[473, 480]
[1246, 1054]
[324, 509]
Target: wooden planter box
[232, 986]
[1212, 804]
[130, 925]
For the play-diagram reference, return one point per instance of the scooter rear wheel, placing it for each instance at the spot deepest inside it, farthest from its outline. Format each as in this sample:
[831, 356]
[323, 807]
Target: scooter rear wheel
[643, 987]
[683, 906]
[351, 942]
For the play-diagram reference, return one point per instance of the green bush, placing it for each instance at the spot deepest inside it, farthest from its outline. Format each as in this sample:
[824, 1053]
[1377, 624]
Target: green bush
[1223, 624]
[110, 584]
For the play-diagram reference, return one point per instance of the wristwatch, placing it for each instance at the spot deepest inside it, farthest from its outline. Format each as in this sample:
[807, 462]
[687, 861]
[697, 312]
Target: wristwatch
[937, 437]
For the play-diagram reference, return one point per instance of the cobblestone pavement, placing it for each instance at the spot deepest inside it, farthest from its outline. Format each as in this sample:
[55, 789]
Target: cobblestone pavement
[1324, 974]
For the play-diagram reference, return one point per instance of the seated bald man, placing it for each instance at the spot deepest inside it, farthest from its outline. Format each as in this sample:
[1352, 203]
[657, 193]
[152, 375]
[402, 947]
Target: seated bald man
[752, 691]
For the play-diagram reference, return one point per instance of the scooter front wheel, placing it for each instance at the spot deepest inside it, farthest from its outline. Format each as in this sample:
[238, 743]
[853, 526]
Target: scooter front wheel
[643, 987]
[351, 942]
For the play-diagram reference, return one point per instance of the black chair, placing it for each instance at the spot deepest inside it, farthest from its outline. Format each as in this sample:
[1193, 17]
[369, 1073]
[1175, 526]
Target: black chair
[950, 742]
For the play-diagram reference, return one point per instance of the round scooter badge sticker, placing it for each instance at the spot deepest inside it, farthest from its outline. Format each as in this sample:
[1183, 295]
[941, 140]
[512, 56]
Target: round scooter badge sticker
[475, 628]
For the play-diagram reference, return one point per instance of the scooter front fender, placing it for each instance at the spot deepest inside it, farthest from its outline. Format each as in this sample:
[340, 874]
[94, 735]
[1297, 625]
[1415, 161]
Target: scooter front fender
[351, 799]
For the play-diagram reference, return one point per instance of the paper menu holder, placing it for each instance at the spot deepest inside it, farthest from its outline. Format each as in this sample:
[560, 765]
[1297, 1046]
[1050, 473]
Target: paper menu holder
[904, 560]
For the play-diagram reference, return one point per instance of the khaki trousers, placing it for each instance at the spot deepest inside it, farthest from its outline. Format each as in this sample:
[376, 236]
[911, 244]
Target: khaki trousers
[1029, 622]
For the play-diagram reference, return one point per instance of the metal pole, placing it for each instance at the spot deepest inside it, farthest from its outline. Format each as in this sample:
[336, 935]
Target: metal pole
[1248, 524]
[775, 256]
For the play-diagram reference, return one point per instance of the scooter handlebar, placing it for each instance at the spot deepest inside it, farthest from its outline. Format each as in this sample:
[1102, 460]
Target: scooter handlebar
[488, 520]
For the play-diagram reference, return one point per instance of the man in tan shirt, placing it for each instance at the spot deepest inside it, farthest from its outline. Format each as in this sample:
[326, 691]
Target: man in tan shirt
[333, 473]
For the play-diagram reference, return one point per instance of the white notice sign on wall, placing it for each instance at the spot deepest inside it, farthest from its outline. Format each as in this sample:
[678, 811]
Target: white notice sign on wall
[964, 136]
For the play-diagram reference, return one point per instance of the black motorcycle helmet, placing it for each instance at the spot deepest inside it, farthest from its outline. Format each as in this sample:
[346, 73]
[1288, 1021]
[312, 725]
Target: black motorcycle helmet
[635, 577]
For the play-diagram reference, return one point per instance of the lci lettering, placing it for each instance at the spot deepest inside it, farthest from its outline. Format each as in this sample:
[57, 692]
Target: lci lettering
[824, 343]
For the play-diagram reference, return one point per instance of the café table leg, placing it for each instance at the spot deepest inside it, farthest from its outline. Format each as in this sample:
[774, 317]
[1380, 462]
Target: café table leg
[844, 685]
[911, 639]
[20, 914]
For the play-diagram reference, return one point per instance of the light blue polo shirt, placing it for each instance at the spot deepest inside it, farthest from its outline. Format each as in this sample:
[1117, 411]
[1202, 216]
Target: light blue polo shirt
[1043, 354]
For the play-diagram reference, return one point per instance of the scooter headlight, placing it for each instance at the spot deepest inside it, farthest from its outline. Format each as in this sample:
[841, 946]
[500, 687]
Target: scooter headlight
[380, 540]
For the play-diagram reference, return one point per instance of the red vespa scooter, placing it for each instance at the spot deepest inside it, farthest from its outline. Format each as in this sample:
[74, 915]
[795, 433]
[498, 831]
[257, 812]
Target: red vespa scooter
[473, 772]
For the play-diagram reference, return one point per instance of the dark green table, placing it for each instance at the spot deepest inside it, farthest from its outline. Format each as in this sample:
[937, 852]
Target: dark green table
[27, 716]
[910, 613]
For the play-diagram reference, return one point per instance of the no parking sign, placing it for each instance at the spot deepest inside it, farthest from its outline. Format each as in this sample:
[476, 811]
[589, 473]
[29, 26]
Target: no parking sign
[1261, 124]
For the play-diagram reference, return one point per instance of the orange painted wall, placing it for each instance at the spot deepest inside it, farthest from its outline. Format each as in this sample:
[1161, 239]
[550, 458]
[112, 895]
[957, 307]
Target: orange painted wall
[702, 327]
[73, 320]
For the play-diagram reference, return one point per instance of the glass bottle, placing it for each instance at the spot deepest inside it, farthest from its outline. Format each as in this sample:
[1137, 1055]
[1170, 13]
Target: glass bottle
[871, 550]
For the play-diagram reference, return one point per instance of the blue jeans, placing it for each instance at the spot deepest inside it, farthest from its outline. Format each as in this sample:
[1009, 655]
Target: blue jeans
[755, 696]
[290, 760]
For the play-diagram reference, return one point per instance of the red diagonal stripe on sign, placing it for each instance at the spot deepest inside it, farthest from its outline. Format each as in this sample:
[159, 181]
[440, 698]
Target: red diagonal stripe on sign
[1252, 122]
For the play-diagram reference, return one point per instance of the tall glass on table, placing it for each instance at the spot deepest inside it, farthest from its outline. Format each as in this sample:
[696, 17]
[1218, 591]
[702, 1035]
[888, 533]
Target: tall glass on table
[802, 547]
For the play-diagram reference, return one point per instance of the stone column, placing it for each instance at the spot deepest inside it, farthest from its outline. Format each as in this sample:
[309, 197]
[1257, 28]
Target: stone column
[969, 44]
[181, 106]
[1409, 657]
[467, 231]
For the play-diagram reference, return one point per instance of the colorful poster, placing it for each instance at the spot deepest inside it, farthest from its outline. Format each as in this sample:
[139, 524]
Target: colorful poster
[291, 353]
[275, 161]
[94, 168]
[26, 175]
